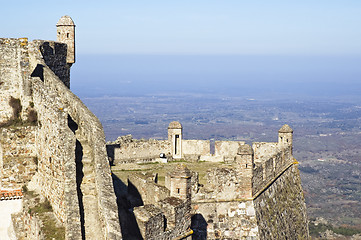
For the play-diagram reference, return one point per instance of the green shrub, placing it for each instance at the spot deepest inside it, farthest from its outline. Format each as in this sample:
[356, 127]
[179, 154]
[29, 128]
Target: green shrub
[346, 231]
[315, 230]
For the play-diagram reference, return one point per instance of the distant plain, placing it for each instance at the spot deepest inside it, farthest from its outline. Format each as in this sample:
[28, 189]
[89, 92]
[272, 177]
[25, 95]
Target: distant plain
[242, 98]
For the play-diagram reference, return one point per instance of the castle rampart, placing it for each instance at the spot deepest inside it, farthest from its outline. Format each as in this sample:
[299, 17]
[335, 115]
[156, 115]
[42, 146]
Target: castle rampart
[280, 204]
[69, 154]
[128, 150]
[150, 191]
[66, 105]
[159, 212]
[267, 170]
[225, 205]
[50, 143]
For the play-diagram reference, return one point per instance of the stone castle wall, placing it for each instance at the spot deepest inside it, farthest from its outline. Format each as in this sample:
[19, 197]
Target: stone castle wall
[278, 212]
[11, 79]
[55, 55]
[18, 156]
[281, 209]
[269, 168]
[228, 149]
[133, 150]
[264, 150]
[168, 219]
[224, 220]
[194, 149]
[53, 94]
[26, 76]
[155, 212]
[128, 150]
[56, 148]
[30, 226]
[226, 204]
[150, 192]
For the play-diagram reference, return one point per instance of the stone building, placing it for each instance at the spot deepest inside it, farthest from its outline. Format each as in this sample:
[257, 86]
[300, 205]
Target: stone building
[254, 193]
[53, 151]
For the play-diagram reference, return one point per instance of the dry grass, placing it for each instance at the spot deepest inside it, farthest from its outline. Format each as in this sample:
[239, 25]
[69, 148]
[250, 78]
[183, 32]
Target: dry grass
[162, 169]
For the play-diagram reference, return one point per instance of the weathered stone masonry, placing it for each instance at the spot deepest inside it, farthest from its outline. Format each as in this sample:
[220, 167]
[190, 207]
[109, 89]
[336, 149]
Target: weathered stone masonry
[68, 151]
[255, 194]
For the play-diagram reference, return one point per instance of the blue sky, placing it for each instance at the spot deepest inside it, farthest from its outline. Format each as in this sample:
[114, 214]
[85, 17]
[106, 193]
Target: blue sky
[268, 47]
[269, 27]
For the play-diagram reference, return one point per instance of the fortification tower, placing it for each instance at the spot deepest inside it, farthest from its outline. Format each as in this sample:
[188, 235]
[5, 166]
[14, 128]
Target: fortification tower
[175, 137]
[245, 157]
[180, 182]
[245, 161]
[66, 34]
[285, 136]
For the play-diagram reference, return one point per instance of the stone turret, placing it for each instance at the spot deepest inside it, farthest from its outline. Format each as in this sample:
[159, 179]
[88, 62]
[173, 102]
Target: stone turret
[245, 161]
[179, 182]
[285, 136]
[66, 34]
[245, 156]
[175, 137]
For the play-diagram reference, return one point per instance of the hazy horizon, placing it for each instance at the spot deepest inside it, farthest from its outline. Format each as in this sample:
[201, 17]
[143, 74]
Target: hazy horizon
[229, 75]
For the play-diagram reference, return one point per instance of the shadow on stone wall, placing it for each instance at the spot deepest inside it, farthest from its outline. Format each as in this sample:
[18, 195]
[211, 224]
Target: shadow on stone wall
[38, 72]
[54, 55]
[79, 179]
[199, 227]
[79, 173]
[127, 198]
[134, 196]
[110, 152]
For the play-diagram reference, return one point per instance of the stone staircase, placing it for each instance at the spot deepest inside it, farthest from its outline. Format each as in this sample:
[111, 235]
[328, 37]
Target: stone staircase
[92, 223]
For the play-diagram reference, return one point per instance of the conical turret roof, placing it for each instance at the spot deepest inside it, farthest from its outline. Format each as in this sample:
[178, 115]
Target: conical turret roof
[175, 125]
[181, 171]
[285, 129]
[245, 149]
[65, 21]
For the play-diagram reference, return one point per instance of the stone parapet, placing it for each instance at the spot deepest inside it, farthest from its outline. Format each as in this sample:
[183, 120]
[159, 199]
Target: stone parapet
[267, 170]
[151, 193]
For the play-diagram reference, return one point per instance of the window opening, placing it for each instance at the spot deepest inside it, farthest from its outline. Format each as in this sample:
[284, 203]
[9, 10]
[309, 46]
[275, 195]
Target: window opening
[176, 144]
